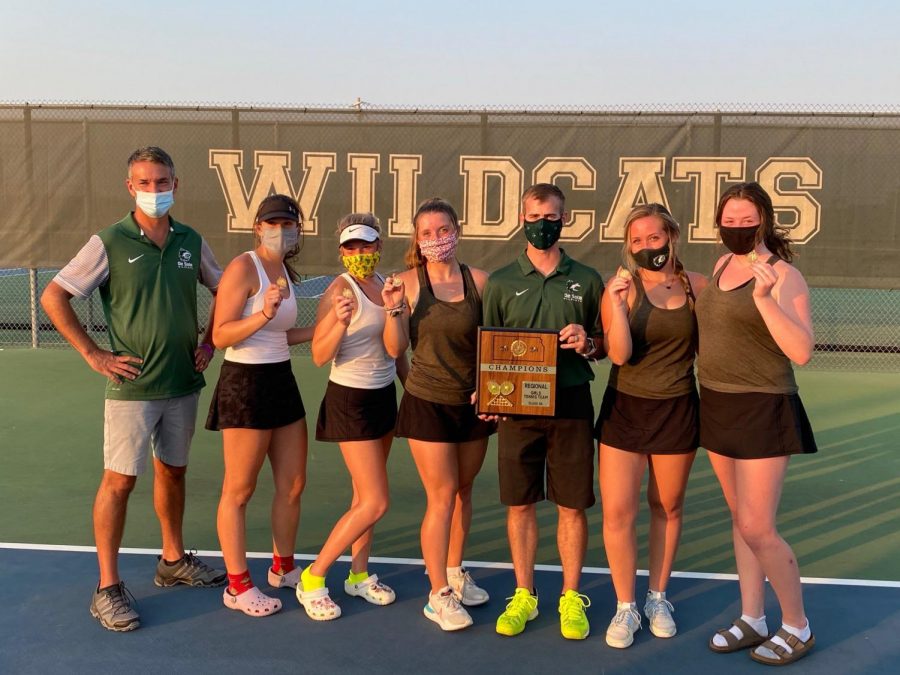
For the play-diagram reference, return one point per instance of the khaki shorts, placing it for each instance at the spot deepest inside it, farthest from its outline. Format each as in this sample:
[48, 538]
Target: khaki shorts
[131, 428]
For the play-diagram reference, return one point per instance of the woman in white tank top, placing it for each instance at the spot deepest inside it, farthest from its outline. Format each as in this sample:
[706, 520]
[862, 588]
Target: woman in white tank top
[257, 404]
[358, 412]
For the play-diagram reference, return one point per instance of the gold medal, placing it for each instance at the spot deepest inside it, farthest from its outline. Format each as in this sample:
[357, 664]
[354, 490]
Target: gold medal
[623, 273]
[347, 293]
[752, 256]
[518, 348]
[281, 283]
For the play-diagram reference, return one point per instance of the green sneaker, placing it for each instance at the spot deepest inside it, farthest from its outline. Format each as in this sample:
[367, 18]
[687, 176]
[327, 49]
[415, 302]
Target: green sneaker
[521, 609]
[573, 623]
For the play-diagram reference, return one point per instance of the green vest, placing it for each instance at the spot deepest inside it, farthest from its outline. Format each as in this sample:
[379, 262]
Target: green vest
[150, 303]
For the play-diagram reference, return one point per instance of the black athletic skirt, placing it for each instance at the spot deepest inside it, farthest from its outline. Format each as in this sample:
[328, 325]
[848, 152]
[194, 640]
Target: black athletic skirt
[423, 420]
[754, 425]
[351, 414]
[255, 396]
[667, 426]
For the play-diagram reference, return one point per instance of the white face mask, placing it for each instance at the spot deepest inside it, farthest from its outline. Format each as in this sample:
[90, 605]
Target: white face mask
[279, 240]
[154, 204]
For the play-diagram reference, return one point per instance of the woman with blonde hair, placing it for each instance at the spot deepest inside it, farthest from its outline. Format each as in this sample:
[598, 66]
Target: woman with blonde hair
[256, 403]
[649, 416]
[358, 411]
[435, 306]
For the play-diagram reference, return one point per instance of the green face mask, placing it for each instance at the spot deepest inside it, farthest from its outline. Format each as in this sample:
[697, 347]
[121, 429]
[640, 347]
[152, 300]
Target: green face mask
[361, 265]
[543, 233]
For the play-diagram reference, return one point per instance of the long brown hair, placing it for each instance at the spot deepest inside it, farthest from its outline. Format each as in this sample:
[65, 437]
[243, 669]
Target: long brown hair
[414, 257]
[776, 237]
[672, 230]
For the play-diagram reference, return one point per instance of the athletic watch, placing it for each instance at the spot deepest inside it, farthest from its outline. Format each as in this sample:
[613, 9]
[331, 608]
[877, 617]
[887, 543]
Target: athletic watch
[592, 347]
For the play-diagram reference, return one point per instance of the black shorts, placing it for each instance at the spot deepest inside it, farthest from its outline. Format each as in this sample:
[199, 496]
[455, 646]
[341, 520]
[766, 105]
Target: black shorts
[351, 414]
[423, 420]
[562, 448]
[255, 396]
[667, 426]
[754, 425]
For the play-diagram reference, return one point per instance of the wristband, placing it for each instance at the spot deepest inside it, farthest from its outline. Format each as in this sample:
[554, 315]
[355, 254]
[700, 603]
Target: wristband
[210, 350]
[396, 311]
[268, 318]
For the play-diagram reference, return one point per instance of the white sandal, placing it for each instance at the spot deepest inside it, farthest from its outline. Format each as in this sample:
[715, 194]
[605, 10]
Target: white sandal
[318, 604]
[371, 590]
[252, 602]
[291, 578]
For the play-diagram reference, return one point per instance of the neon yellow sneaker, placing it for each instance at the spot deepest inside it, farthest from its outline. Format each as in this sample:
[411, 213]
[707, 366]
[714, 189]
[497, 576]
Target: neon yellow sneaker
[521, 609]
[573, 623]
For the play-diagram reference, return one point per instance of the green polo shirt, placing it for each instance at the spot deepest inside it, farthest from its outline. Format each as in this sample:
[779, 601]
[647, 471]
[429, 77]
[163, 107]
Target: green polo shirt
[518, 296]
[150, 303]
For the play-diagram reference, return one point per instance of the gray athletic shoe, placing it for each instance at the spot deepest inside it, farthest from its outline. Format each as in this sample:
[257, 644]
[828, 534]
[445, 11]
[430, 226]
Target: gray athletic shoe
[191, 571]
[112, 608]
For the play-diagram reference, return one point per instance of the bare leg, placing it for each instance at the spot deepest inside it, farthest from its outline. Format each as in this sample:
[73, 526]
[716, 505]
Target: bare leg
[110, 507]
[665, 493]
[244, 450]
[168, 500]
[361, 548]
[571, 539]
[522, 530]
[470, 460]
[287, 456]
[438, 466]
[620, 490]
[366, 462]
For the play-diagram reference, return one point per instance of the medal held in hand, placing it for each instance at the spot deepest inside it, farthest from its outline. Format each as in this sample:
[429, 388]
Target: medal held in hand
[516, 371]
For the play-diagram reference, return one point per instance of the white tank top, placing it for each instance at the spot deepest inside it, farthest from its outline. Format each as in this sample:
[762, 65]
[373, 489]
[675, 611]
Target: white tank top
[361, 360]
[269, 343]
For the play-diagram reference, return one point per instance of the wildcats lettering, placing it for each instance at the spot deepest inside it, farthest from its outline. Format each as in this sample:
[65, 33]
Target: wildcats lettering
[492, 186]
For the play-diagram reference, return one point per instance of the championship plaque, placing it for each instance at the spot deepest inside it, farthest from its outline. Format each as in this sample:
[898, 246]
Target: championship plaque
[516, 371]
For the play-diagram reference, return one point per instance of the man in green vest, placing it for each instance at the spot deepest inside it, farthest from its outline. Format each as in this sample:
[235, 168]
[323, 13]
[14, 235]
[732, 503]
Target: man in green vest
[146, 268]
[545, 288]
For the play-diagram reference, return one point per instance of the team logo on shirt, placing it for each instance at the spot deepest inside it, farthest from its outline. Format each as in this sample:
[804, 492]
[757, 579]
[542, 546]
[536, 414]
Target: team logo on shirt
[184, 259]
[573, 292]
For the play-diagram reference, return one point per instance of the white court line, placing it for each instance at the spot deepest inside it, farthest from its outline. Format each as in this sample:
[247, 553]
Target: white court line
[873, 583]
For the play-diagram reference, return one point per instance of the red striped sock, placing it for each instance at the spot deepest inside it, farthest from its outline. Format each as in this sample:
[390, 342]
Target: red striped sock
[239, 583]
[282, 564]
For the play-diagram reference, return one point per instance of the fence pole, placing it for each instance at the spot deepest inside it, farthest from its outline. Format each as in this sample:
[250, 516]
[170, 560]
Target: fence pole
[35, 325]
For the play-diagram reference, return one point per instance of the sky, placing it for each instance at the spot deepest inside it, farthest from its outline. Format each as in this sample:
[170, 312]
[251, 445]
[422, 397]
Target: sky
[456, 53]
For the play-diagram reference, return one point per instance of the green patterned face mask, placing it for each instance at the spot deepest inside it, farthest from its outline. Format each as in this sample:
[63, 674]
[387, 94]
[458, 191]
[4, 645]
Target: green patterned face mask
[361, 265]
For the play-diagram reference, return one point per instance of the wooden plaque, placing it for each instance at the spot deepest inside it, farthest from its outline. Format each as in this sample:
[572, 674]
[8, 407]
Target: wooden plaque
[517, 371]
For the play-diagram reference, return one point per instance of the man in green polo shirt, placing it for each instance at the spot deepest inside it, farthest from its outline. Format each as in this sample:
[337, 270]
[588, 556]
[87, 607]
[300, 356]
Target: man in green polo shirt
[545, 288]
[146, 268]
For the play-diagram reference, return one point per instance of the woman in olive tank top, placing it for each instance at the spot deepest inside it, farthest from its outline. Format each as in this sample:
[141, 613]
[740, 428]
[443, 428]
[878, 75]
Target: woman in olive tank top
[649, 416]
[435, 306]
[754, 320]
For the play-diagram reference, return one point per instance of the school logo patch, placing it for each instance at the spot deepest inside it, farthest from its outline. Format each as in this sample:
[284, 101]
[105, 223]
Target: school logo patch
[184, 259]
[573, 292]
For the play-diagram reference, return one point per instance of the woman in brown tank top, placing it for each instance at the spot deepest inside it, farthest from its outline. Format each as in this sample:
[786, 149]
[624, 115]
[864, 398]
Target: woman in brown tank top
[436, 306]
[649, 415]
[756, 314]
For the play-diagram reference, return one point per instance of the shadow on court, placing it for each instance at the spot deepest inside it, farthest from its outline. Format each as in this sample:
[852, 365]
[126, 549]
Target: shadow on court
[45, 627]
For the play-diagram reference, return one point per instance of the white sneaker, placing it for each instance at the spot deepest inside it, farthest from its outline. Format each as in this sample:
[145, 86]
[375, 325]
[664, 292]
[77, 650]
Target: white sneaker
[288, 579]
[622, 628]
[444, 609]
[658, 611]
[371, 590]
[466, 590]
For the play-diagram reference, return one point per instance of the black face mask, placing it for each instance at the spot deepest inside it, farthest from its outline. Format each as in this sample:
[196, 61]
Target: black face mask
[543, 233]
[739, 240]
[652, 258]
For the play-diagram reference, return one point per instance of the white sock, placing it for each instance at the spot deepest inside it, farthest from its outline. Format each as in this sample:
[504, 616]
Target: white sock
[454, 571]
[803, 634]
[757, 624]
[626, 605]
[656, 595]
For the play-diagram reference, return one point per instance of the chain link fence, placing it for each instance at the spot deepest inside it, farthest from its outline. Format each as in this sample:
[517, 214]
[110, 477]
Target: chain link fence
[856, 329]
